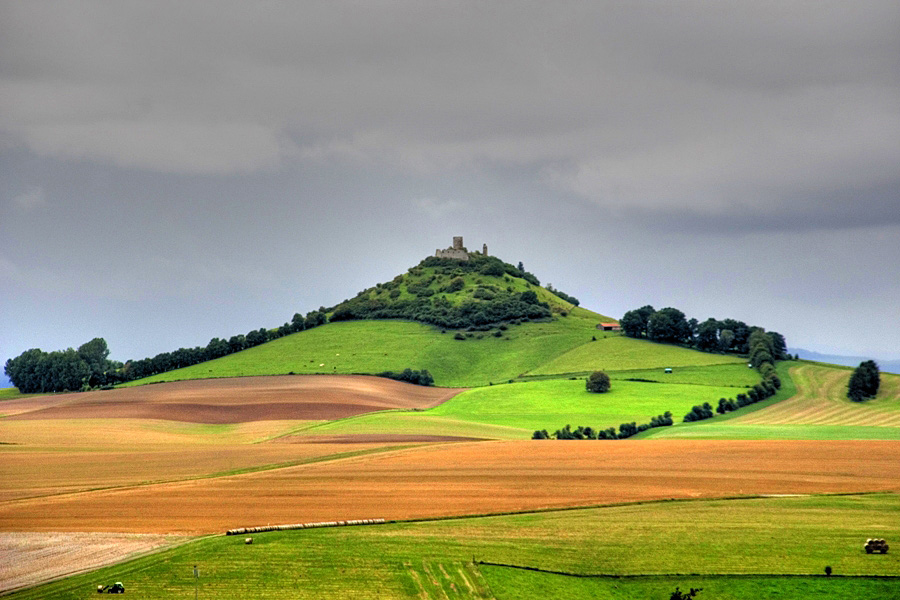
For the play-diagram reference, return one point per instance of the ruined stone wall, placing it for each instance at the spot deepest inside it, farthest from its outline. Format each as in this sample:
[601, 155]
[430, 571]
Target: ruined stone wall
[457, 251]
[452, 253]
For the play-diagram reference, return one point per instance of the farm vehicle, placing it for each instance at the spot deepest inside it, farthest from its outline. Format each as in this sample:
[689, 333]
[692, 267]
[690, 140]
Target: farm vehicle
[876, 545]
[116, 588]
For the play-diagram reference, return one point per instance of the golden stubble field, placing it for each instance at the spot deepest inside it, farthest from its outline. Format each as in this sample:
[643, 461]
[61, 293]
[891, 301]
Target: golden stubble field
[469, 478]
[135, 436]
[90, 462]
[205, 456]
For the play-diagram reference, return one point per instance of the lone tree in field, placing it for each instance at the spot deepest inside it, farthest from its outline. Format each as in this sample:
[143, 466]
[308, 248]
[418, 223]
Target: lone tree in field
[598, 382]
[864, 382]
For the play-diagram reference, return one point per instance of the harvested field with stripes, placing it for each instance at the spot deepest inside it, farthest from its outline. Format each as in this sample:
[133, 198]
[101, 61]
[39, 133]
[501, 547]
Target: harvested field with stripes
[821, 399]
[29, 558]
[25, 474]
[471, 478]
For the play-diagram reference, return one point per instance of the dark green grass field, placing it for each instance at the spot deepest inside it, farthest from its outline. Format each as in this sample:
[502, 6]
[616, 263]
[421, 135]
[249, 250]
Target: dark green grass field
[728, 547]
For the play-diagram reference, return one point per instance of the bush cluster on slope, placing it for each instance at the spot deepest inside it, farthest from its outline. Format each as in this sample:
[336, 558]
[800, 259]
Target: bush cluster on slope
[437, 295]
[416, 377]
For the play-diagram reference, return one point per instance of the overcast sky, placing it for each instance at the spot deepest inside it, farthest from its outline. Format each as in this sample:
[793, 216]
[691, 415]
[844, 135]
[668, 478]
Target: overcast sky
[171, 171]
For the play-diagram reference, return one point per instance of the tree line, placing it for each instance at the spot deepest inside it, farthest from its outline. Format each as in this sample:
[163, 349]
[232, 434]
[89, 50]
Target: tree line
[626, 430]
[762, 349]
[88, 367]
[671, 326]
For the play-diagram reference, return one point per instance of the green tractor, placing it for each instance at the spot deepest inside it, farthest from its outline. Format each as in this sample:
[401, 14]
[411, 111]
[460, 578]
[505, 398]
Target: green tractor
[116, 588]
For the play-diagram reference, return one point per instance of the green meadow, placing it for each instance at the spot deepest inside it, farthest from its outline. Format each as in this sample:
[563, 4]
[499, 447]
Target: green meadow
[724, 375]
[375, 346]
[11, 393]
[728, 547]
[618, 353]
[521, 408]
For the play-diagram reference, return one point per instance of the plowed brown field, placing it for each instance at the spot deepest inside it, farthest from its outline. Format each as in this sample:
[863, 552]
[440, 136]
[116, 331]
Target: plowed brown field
[477, 477]
[236, 400]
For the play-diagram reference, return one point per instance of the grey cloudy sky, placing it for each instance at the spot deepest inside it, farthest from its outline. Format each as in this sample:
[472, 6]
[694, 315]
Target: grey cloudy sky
[174, 171]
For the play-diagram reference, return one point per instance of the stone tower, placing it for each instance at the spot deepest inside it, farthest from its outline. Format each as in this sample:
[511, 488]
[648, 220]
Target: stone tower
[457, 251]
[484, 251]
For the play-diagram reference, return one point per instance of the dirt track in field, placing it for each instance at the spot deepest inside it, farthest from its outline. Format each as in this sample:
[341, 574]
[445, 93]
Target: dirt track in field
[467, 478]
[236, 400]
[30, 558]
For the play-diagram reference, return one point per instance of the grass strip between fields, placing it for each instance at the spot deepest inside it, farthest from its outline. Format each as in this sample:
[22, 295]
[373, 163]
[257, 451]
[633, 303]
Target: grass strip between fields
[642, 575]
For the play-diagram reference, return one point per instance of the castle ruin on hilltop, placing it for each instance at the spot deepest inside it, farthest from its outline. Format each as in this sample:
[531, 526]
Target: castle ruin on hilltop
[457, 251]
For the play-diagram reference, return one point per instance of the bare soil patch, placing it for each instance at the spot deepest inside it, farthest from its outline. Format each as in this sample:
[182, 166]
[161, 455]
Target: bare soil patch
[471, 478]
[30, 558]
[374, 438]
[237, 400]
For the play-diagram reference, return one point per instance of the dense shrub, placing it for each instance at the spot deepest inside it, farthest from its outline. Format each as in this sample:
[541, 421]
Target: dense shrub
[422, 377]
[699, 413]
[864, 382]
[597, 382]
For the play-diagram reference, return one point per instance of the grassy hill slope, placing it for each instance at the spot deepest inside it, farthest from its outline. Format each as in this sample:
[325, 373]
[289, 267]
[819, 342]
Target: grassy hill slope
[375, 346]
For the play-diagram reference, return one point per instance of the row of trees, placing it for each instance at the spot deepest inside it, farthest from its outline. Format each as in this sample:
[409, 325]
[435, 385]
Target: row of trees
[670, 325]
[762, 349]
[563, 295]
[864, 382]
[218, 347]
[88, 367]
[626, 430]
[36, 371]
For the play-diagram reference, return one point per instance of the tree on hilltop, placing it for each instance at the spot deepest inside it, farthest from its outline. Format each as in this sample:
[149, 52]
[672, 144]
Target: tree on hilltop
[634, 323]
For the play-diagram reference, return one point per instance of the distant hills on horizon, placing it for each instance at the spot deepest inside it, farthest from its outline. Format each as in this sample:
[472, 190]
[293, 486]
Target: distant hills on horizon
[887, 366]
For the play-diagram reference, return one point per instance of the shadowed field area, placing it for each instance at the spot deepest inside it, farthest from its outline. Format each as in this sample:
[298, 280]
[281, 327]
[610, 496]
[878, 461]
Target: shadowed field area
[236, 400]
[472, 478]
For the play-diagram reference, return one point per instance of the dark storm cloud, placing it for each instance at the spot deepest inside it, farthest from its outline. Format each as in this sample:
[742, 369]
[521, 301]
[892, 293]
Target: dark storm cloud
[174, 171]
[689, 107]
